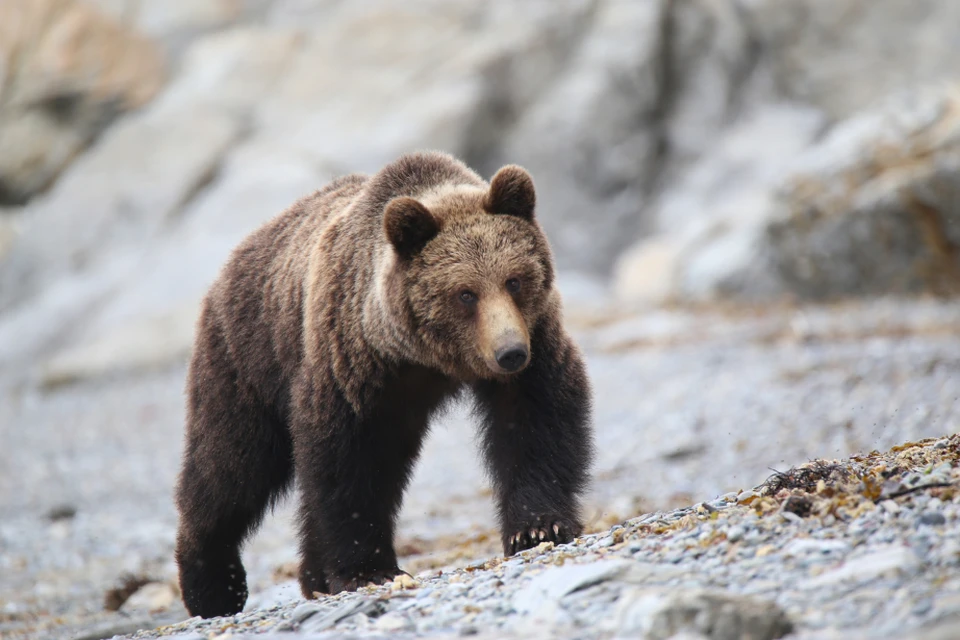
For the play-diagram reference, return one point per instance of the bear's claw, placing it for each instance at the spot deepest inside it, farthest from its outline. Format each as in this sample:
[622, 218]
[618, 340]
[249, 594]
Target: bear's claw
[558, 532]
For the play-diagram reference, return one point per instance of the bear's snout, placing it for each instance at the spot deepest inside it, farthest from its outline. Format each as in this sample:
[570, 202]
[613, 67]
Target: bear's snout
[504, 339]
[512, 358]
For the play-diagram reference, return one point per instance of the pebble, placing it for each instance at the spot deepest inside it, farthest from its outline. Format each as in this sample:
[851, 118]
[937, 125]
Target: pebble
[932, 518]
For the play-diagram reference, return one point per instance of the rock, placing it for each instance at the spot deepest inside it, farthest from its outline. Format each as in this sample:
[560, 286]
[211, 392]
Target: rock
[232, 69]
[393, 622]
[799, 547]
[711, 219]
[836, 56]
[942, 629]
[66, 71]
[553, 584]
[872, 209]
[932, 518]
[152, 343]
[648, 84]
[894, 559]
[9, 223]
[151, 598]
[589, 140]
[357, 606]
[177, 20]
[884, 179]
[107, 200]
[656, 615]
[305, 610]
[374, 80]
[114, 628]
[148, 321]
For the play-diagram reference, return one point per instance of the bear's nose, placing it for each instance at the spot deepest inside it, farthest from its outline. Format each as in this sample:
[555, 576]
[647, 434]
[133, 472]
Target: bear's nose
[512, 358]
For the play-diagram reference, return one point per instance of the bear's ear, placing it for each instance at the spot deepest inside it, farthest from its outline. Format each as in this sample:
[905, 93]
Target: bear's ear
[409, 226]
[512, 193]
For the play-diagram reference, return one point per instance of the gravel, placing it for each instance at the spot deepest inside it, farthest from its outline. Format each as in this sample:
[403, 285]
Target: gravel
[707, 410]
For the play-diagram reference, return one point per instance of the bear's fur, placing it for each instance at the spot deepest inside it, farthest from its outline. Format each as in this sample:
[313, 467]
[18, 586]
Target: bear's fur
[335, 332]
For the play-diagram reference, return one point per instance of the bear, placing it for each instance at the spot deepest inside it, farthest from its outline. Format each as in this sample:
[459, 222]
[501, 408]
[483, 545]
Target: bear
[330, 338]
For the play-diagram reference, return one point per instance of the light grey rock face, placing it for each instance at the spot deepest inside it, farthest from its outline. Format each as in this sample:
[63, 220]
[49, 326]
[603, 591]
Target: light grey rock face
[710, 223]
[875, 207]
[646, 87]
[66, 71]
[870, 209]
[116, 195]
[842, 55]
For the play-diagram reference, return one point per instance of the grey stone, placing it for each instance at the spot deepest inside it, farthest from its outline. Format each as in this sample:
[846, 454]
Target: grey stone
[891, 560]
[554, 583]
[349, 609]
[717, 615]
[931, 518]
[393, 622]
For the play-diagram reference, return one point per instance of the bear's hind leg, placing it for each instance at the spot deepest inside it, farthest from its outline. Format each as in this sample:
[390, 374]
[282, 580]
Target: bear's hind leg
[238, 461]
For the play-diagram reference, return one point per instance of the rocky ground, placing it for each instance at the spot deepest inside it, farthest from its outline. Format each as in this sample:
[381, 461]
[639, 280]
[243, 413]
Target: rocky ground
[691, 406]
[692, 159]
[866, 547]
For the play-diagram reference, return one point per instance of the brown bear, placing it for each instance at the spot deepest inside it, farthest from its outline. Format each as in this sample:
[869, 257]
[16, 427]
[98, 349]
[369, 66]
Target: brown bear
[335, 332]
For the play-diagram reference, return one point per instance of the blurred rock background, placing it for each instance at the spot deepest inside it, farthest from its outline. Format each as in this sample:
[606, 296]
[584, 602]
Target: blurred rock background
[711, 155]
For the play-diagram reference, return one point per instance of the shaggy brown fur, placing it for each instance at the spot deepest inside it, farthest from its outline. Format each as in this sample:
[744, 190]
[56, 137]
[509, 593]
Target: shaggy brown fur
[332, 336]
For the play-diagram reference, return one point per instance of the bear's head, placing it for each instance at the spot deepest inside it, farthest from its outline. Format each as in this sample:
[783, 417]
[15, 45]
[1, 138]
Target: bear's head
[474, 271]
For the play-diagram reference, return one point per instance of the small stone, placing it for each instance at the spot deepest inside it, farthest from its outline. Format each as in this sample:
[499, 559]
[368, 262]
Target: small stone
[605, 542]
[789, 516]
[735, 533]
[403, 581]
[890, 506]
[805, 546]
[932, 518]
[393, 622]
[304, 611]
[747, 497]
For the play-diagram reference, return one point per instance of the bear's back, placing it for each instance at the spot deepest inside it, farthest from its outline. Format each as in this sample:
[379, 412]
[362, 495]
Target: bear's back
[258, 297]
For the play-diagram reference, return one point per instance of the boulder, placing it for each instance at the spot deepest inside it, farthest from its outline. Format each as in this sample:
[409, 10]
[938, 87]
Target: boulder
[843, 55]
[873, 208]
[66, 71]
[716, 615]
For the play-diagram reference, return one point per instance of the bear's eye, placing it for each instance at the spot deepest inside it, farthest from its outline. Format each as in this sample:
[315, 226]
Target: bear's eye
[513, 285]
[468, 297]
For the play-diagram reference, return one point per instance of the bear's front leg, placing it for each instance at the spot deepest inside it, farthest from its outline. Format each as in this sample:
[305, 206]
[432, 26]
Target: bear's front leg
[538, 443]
[352, 471]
